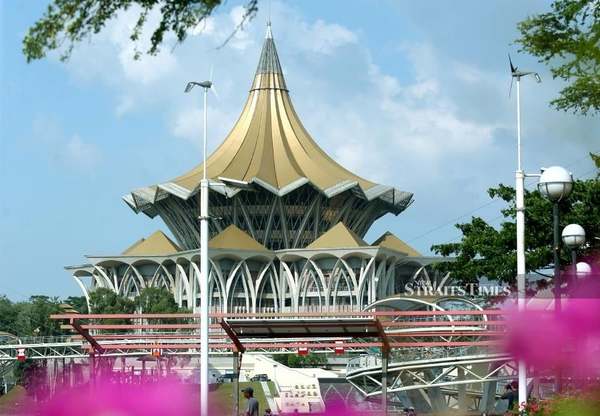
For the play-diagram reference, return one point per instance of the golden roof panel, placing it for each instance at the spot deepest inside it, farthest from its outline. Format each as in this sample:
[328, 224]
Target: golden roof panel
[156, 244]
[338, 236]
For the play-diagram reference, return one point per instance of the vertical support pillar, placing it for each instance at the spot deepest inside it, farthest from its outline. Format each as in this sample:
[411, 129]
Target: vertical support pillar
[92, 365]
[384, 381]
[64, 372]
[557, 283]
[462, 390]
[236, 382]
[535, 391]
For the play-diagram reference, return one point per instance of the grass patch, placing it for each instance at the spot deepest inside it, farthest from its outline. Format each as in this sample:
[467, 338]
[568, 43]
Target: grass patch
[14, 402]
[273, 389]
[223, 394]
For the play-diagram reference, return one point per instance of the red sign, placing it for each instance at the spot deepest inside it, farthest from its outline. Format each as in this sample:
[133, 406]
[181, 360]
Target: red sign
[156, 352]
[302, 350]
[21, 354]
[339, 347]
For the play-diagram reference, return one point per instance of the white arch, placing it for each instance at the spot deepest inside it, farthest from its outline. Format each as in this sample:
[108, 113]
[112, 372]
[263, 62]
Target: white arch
[363, 281]
[240, 271]
[309, 274]
[183, 277]
[333, 281]
[105, 277]
[262, 282]
[84, 290]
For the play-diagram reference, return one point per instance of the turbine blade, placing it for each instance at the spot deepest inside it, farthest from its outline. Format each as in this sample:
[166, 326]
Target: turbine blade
[510, 89]
[214, 91]
[513, 69]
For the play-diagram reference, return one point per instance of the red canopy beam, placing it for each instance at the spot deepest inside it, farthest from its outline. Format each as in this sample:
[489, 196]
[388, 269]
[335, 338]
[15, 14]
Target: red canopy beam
[280, 314]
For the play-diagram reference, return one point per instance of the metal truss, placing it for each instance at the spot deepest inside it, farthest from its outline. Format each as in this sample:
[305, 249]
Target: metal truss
[41, 349]
[436, 383]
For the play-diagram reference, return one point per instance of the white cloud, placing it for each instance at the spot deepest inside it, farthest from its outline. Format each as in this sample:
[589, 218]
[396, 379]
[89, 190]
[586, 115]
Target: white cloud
[327, 37]
[59, 148]
[188, 124]
[206, 27]
[126, 103]
[81, 154]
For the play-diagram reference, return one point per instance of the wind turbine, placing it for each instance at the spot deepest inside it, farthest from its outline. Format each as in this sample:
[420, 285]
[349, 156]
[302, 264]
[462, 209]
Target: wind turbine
[520, 208]
[204, 217]
[515, 73]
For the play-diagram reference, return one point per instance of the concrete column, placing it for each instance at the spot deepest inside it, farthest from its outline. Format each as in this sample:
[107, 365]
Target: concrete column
[384, 381]
[92, 365]
[462, 390]
[236, 383]
[488, 397]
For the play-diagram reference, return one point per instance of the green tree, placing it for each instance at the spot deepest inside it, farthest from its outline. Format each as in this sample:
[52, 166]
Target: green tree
[156, 300]
[67, 22]
[32, 318]
[78, 303]
[567, 38]
[300, 361]
[491, 252]
[8, 315]
[105, 301]
[596, 159]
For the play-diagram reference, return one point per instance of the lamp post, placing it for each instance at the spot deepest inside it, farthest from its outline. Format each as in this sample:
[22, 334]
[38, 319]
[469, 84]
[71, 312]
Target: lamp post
[573, 237]
[556, 184]
[206, 85]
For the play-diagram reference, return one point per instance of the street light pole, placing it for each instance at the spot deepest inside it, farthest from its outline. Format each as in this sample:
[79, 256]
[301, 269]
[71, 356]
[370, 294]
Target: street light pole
[204, 276]
[520, 208]
[556, 249]
[573, 237]
[520, 214]
[206, 85]
[556, 184]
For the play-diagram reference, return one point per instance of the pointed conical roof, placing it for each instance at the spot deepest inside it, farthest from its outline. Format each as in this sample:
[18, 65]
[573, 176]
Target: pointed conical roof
[156, 244]
[268, 143]
[268, 146]
[232, 238]
[389, 240]
[338, 236]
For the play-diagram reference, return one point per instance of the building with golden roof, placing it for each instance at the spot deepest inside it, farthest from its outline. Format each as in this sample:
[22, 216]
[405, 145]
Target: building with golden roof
[288, 221]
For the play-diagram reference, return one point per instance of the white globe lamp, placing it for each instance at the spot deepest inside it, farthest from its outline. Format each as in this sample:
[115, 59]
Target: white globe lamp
[583, 269]
[556, 183]
[573, 235]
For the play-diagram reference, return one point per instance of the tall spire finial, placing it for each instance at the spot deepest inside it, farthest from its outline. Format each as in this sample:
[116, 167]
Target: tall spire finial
[269, 34]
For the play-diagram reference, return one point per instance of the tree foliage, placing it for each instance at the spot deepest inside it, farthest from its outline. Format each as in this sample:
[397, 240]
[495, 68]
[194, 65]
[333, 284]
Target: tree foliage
[567, 38]
[156, 300]
[30, 318]
[67, 22]
[105, 301]
[300, 361]
[596, 159]
[491, 252]
[78, 303]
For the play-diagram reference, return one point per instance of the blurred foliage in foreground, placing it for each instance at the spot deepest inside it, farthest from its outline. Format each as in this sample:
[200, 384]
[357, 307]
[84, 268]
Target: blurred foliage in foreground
[570, 404]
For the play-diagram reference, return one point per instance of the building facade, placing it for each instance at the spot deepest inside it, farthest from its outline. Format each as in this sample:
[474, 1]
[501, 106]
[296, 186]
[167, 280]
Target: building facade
[287, 222]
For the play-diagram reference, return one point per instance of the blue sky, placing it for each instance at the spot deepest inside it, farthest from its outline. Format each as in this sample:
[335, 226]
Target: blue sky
[411, 94]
